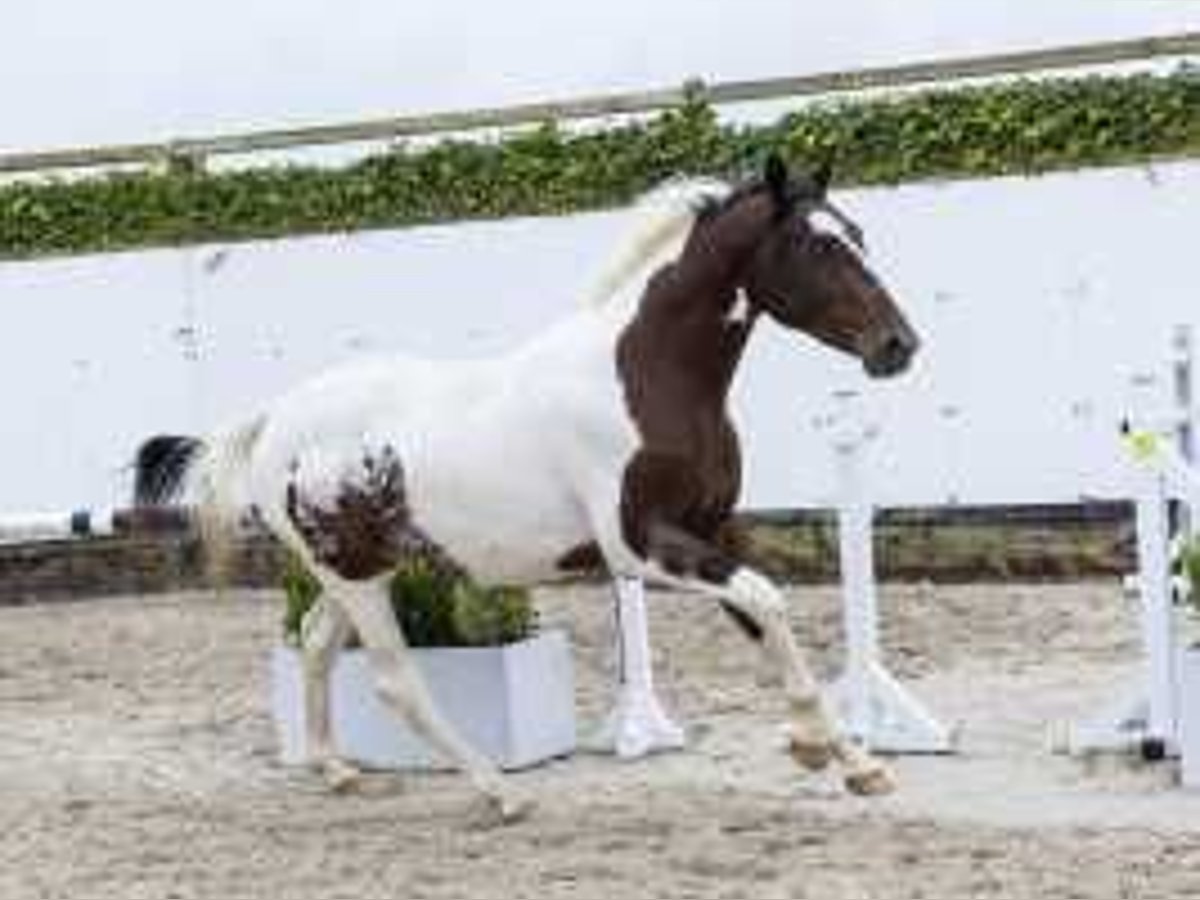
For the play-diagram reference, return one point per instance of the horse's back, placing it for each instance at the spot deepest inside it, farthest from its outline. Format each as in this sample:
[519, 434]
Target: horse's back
[321, 429]
[478, 448]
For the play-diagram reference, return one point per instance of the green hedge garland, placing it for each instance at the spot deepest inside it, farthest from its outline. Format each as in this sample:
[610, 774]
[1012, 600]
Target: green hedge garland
[1018, 127]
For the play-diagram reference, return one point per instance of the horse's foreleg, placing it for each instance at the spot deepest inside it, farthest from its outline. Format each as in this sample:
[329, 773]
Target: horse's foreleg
[322, 635]
[760, 607]
[815, 738]
[402, 688]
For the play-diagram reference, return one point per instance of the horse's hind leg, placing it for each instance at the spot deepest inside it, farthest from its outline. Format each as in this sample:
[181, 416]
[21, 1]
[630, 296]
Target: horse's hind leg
[356, 525]
[402, 688]
[322, 635]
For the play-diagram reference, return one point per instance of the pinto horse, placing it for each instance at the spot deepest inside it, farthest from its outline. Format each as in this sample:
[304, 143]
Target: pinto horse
[609, 431]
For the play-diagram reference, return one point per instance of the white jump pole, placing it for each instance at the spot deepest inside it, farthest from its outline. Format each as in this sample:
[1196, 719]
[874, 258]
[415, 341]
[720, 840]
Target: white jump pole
[874, 708]
[53, 526]
[638, 724]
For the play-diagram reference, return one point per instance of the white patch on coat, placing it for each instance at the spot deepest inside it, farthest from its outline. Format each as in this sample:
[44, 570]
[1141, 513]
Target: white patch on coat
[508, 462]
[739, 312]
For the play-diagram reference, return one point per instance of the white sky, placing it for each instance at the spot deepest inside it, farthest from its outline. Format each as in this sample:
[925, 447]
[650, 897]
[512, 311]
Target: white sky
[76, 72]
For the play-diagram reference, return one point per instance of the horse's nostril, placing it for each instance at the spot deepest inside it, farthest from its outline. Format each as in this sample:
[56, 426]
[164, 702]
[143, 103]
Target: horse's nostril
[892, 355]
[896, 349]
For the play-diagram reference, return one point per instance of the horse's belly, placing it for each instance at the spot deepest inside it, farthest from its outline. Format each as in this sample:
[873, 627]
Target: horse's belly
[503, 527]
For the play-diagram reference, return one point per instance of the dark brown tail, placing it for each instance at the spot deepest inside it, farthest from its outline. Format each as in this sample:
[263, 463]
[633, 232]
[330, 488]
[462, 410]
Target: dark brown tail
[159, 470]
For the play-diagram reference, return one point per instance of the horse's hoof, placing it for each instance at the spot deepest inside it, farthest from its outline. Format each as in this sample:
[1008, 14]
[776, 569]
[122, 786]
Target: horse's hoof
[503, 809]
[811, 755]
[873, 782]
[513, 808]
[340, 776]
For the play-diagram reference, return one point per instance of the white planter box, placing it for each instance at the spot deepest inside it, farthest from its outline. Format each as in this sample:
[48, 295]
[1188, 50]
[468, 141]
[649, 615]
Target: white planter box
[516, 704]
[1189, 717]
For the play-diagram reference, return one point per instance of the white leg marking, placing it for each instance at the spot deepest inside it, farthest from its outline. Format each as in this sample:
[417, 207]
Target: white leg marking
[757, 597]
[402, 688]
[322, 635]
[638, 724]
[815, 740]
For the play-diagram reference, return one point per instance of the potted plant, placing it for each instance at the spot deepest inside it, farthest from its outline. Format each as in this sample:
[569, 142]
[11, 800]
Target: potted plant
[506, 685]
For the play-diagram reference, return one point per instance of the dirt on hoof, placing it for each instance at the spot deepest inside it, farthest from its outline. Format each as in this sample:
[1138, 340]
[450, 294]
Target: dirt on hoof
[814, 757]
[871, 783]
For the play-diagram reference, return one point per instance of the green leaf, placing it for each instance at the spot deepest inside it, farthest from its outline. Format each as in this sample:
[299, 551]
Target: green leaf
[435, 607]
[980, 131]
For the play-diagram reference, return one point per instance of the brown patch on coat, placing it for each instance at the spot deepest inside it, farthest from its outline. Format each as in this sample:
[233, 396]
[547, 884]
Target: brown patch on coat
[367, 531]
[581, 559]
[676, 360]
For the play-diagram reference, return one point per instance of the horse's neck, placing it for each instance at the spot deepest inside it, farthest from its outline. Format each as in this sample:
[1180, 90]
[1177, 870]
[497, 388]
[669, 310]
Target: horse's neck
[693, 321]
[679, 353]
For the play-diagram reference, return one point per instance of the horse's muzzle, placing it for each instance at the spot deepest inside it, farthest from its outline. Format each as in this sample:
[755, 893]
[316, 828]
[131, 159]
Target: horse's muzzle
[891, 353]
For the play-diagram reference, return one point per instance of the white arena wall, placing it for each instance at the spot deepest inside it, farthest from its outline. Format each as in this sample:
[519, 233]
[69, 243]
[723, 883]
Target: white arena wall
[1037, 298]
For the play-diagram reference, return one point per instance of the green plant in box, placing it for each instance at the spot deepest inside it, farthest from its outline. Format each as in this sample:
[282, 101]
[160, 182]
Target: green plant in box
[435, 607]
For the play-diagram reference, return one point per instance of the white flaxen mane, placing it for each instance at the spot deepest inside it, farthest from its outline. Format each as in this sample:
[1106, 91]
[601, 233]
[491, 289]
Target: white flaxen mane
[663, 219]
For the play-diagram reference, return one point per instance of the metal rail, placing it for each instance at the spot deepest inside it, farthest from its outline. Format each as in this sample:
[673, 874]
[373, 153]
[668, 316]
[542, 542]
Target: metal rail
[198, 149]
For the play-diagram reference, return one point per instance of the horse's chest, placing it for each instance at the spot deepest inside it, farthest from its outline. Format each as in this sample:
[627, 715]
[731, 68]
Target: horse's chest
[703, 443]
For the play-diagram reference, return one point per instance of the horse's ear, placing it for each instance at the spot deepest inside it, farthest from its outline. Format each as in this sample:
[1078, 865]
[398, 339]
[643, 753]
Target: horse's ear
[775, 176]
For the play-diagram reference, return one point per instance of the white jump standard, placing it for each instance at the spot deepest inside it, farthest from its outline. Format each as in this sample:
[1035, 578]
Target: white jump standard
[1149, 722]
[873, 707]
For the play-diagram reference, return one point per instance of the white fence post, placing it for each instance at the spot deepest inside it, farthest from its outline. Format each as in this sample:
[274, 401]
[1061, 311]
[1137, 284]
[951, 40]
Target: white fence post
[874, 708]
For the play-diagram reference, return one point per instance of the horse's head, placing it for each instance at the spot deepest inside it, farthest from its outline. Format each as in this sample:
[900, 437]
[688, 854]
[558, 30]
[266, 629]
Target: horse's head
[816, 281]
